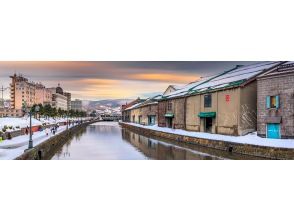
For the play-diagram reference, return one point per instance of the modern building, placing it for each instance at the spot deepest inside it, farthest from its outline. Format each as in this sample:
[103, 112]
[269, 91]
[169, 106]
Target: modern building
[59, 100]
[225, 103]
[77, 105]
[43, 95]
[22, 92]
[68, 96]
[275, 98]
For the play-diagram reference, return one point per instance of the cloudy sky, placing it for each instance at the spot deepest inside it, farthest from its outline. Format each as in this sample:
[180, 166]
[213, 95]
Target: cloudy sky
[112, 80]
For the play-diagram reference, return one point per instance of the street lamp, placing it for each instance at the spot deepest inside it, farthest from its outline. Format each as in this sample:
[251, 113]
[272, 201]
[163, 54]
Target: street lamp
[30, 112]
[66, 120]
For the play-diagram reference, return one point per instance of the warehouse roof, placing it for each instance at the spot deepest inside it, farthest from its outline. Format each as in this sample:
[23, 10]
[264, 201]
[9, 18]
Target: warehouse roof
[230, 78]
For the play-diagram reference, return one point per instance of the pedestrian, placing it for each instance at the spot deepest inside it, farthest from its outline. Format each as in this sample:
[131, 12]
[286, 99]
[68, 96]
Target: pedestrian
[47, 131]
[54, 131]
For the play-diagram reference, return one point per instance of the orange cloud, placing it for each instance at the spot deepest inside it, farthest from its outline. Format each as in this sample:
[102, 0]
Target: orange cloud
[98, 82]
[166, 77]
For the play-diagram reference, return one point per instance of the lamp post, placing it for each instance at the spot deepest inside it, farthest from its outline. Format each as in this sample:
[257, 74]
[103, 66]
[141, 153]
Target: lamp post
[66, 120]
[30, 112]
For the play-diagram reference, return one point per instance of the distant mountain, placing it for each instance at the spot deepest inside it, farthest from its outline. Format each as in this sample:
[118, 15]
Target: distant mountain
[102, 104]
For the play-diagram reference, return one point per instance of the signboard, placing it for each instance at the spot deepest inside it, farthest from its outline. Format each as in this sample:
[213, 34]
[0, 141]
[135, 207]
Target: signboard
[228, 98]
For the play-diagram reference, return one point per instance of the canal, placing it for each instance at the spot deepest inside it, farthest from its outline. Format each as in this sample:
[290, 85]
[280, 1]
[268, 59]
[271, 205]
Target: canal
[108, 141]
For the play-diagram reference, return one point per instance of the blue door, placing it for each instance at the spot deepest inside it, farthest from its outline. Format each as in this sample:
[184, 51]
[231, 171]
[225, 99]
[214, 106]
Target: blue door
[273, 131]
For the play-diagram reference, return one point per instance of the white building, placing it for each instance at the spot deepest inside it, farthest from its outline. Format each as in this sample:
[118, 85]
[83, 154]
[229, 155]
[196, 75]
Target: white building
[59, 100]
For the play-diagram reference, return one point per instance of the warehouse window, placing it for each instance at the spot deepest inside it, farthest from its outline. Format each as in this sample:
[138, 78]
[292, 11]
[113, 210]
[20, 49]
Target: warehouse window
[169, 106]
[272, 102]
[207, 101]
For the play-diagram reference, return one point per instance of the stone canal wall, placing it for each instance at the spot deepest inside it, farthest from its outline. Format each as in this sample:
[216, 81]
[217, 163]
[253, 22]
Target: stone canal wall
[245, 149]
[47, 148]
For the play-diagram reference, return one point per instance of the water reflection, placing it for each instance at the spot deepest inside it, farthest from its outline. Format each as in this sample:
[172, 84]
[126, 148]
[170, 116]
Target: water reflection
[161, 150]
[98, 141]
[108, 141]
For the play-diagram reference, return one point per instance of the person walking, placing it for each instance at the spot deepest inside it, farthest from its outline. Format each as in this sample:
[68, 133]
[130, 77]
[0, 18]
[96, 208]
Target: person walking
[47, 131]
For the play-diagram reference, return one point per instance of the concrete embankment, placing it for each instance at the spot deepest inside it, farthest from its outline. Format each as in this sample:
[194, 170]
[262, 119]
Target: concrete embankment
[245, 149]
[47, 149]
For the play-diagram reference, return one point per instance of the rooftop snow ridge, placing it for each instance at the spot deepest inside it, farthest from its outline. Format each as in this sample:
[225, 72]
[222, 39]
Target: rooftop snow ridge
[239, 73]
[148, 101]
[190, 87]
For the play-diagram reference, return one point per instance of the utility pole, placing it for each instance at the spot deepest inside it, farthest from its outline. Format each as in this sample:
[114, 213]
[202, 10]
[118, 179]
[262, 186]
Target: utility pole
[2, 89]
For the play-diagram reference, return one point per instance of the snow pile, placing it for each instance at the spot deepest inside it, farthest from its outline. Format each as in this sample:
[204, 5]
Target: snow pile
[252, 138]
[10, 149]
[18, 122]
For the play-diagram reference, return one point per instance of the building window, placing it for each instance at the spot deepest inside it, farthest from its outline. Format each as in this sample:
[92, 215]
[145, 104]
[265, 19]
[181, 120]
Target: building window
[169, 106]
[207, 101]
[272, 102]
[140, 119]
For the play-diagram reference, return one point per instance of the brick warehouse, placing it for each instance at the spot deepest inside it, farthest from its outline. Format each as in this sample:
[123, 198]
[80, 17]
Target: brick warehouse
[171, 113]
[144, 113]
[275, 108]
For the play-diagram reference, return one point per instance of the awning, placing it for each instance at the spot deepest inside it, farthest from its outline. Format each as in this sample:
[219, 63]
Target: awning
[169, 115]
[207, 114]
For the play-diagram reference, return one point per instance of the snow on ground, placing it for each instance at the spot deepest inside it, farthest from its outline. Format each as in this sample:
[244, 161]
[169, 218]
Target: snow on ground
[10, 149]
[21, 122]
[20, 144]
[246, 139]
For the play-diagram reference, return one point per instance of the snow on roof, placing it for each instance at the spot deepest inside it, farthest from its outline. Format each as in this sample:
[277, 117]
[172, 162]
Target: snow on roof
[184, 90]
[149, 101]
[284, 67]
[133, 106]
[289, 62]
[228, 78]
[176, 87]
[240, 74]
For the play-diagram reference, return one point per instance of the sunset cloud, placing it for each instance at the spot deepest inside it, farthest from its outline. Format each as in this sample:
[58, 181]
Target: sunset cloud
[178, 78]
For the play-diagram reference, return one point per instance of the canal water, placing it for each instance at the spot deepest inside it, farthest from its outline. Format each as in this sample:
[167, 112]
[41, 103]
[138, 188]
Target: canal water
[108, 141]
